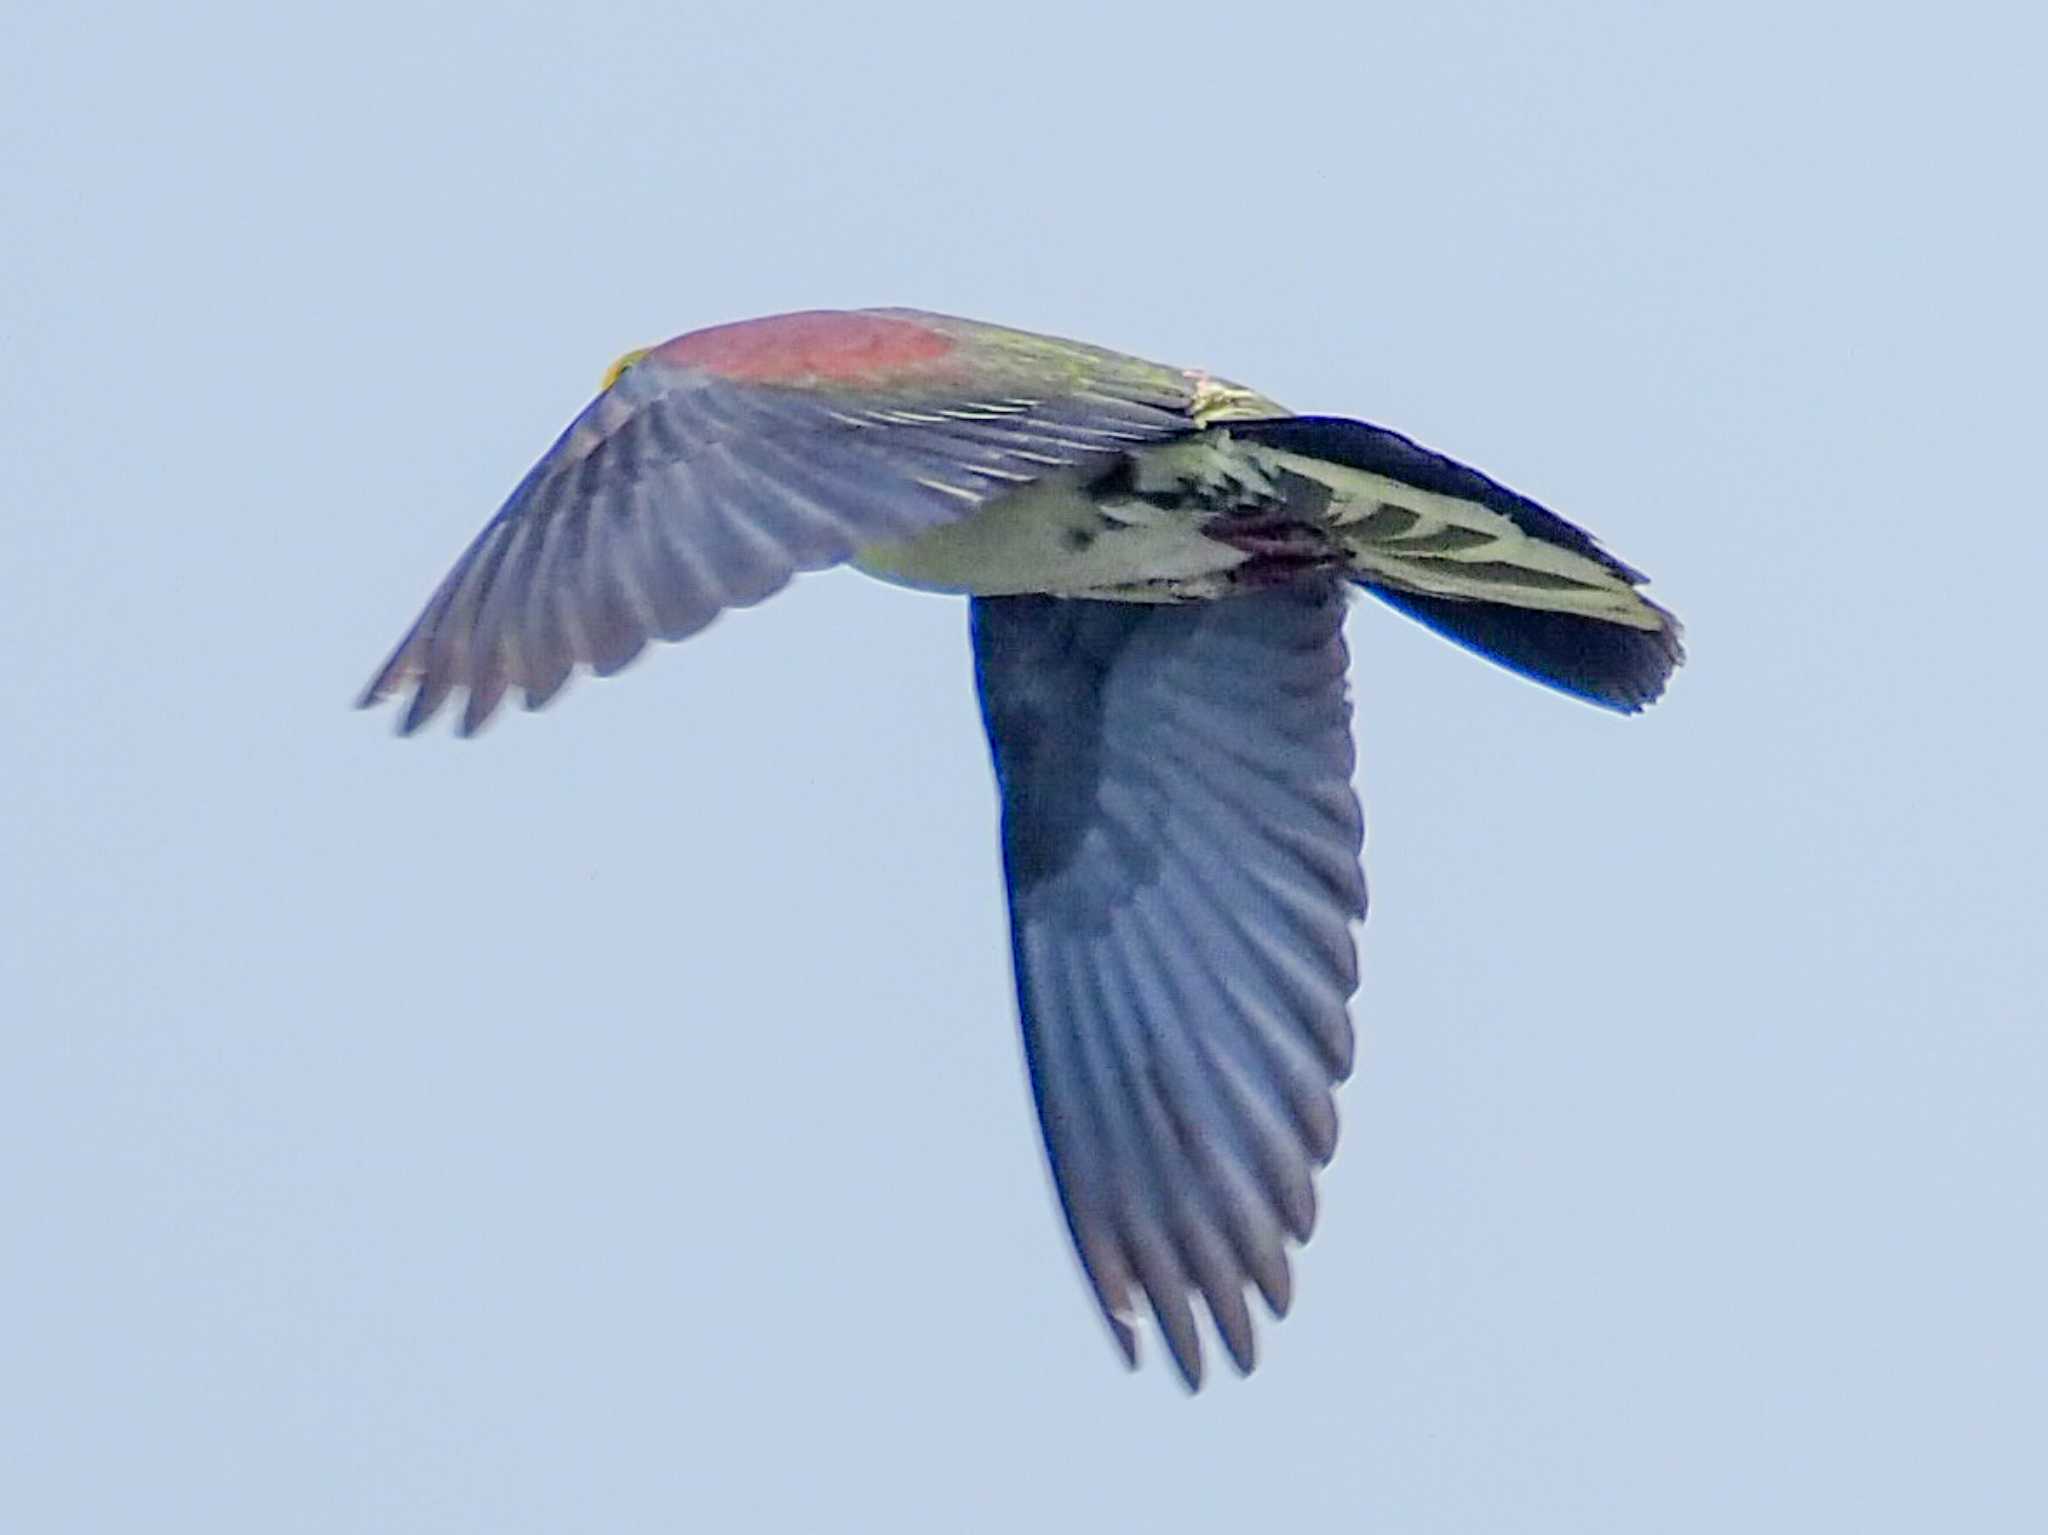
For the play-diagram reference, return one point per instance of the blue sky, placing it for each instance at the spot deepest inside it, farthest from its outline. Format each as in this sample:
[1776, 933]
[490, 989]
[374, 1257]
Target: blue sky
[618, 1122]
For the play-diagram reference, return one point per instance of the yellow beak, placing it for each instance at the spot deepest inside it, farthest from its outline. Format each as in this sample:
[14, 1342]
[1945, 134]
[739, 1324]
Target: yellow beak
[613, 373]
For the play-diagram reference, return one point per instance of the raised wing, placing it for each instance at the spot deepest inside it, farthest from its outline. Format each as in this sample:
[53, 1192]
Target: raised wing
[727, 461]
[1181, 842]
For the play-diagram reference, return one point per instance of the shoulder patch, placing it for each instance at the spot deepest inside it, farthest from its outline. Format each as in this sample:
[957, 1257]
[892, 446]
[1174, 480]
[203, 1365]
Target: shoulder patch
[823, 344]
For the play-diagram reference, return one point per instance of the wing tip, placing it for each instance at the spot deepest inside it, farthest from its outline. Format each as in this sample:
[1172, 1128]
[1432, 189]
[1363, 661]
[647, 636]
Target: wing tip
[390, 677]
[426, 701]
[1124, 1336]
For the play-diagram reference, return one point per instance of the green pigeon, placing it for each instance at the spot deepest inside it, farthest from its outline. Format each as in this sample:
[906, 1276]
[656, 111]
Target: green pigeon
[1158, 561]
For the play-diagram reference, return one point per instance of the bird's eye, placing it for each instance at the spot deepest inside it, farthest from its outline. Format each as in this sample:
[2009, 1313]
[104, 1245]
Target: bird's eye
[617, 370]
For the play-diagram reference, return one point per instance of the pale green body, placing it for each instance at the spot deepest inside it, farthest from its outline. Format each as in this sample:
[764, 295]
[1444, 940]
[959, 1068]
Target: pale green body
[1048, 537]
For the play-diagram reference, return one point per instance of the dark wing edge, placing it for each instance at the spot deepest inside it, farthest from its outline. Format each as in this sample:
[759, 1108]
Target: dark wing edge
[1622, 661]
[1181, 843]
[676, 495]
[1617, 668]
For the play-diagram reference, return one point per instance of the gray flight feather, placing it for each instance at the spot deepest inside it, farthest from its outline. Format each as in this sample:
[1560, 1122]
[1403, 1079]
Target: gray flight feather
[1181, 842]
[677, 494]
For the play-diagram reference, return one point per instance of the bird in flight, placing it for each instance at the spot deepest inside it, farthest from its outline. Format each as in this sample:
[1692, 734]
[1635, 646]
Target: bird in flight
[1157, 562]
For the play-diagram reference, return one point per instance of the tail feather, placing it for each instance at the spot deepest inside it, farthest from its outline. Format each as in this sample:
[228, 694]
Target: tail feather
[1604, 663]
[1477, 562]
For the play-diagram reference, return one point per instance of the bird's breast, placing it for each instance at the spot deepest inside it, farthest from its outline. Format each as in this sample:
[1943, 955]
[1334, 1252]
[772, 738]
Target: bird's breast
[1183, 520]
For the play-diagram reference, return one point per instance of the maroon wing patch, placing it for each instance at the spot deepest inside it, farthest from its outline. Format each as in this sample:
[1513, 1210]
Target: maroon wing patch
[815, 344]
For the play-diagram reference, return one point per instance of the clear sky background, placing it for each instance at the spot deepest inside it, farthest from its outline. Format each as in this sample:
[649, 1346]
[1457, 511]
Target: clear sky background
[617, 1122]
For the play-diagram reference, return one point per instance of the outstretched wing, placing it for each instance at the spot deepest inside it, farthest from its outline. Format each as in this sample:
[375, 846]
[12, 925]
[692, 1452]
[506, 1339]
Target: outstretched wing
[726, 461]
[1181, 842]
